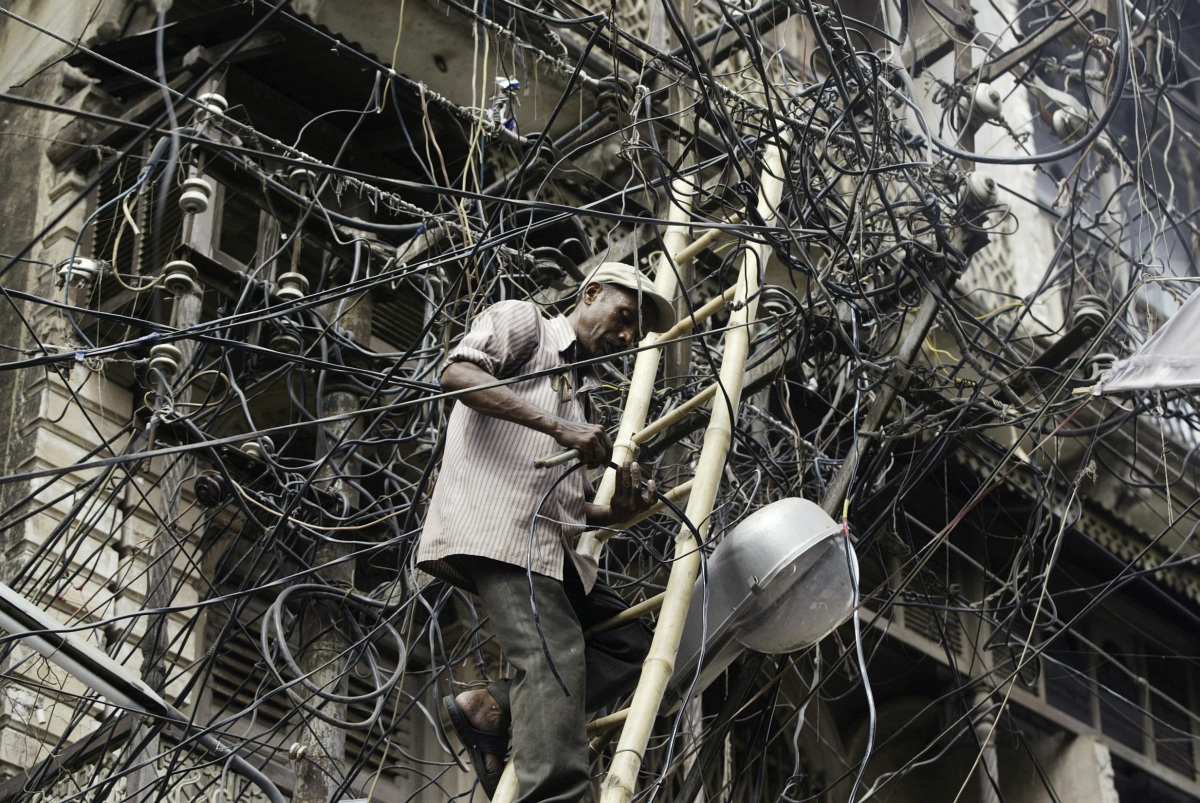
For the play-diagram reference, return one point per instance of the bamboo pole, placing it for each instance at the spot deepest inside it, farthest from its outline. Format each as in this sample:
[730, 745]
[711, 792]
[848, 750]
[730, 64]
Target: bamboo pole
[590, 542]
[645, 367]
[618, 786]
[677, 494]
[679, 413]
[602, 724]
[702, 243]
[688, 322]
[649, 605]
[506, 788]
[839, 486]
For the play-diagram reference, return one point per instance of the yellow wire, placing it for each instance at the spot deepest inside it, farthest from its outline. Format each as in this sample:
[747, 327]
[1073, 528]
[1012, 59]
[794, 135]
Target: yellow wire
[146, 400]
[395, 50]
[482, 98]
[998, 310]
[116, 272]
[939, 352]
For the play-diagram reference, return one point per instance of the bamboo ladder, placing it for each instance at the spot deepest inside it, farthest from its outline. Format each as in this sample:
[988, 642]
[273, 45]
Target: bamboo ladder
[700, 491]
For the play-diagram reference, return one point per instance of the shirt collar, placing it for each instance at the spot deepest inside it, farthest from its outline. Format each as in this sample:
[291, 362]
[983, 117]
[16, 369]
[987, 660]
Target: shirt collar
[560, 335]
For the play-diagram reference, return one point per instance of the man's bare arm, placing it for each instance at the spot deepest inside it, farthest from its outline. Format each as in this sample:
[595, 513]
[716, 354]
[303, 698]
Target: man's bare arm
[591, 440]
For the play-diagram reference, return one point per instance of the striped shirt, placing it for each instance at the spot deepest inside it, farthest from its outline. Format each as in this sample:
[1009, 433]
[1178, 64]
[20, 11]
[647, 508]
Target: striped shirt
[488, 491]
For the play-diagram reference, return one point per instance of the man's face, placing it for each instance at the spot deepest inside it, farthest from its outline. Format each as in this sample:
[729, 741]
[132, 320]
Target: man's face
[607, 319]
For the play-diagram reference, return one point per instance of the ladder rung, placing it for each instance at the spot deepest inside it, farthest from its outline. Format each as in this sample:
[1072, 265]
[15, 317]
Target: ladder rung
[628, 615]
[605, 724]
[676, 495]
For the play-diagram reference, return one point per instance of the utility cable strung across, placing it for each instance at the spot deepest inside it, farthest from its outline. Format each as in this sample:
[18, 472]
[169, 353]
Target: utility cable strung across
[817, 173]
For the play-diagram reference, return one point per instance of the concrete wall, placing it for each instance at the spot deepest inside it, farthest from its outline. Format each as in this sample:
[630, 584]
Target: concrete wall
[910, 733]
[1079, 768]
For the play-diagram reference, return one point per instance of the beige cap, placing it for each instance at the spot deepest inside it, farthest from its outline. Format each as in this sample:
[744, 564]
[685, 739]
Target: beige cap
[628, 276]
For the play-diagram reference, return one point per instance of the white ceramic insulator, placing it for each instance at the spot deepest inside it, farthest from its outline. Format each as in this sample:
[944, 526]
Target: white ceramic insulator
[979, 190]
[300, 178]
[197, 192]
[180, 277]
[165, 358]
[213, 103]
[988, 101]
[291, 286]
[286, 344]
[1067, 125]
[258, 448]
[79, 270]
[1098, 364]
[1090, 308]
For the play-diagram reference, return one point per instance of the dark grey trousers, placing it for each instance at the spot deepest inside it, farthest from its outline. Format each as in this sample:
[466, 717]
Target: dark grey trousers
[549, 726]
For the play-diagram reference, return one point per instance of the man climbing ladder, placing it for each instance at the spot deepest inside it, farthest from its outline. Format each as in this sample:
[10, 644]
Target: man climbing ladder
[478, 533]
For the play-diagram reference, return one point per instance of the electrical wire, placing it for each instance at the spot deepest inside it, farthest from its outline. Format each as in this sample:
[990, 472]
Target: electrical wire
[235, 457]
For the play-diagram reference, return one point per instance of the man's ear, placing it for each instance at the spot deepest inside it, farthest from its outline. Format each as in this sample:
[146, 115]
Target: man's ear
[592, 292]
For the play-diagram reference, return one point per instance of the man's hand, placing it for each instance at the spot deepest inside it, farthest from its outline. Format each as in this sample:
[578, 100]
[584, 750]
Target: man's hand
[630, 498]
[592, 442]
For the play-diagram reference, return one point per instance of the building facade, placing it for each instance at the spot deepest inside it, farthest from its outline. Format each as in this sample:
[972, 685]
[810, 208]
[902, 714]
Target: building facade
[237, 238]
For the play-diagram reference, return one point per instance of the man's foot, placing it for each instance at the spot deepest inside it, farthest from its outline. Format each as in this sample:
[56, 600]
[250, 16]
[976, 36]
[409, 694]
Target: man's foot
[482, 727]
[485, 715]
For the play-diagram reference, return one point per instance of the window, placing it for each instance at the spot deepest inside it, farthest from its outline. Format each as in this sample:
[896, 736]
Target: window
[1068, 686]
[1171, 728]
[1120, 708]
